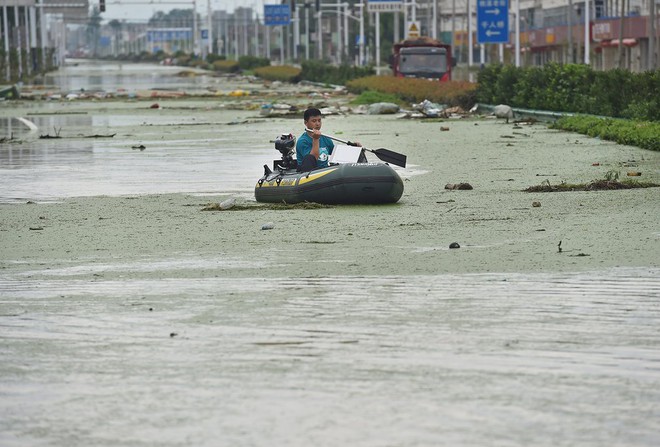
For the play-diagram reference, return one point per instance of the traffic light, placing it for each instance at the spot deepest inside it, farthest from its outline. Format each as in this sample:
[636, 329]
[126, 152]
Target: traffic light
[318, 5]
[293, 6]
[102, 5]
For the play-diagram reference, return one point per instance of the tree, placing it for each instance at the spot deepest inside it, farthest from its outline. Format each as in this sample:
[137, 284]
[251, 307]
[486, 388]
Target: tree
[93, 27]
[116, 25]
[171, 17]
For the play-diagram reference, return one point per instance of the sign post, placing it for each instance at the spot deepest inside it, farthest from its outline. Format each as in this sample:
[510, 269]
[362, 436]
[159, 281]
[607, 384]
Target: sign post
[385, 5]
[378, 6]
[277, 15]
[493, 21]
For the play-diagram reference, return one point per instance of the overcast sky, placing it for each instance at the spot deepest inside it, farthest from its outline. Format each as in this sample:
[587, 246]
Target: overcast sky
[143, 10]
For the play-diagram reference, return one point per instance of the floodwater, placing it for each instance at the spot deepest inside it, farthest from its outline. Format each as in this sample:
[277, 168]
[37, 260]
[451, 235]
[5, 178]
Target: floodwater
[52, 169]
[105, 76]
[455, 360]
[166, 357]
[154, 158]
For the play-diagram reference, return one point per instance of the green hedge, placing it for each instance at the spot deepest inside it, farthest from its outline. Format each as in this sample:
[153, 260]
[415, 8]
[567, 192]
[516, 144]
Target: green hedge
[573, 88]
[252, 62]
[284, 73]
[330, 74]
[225, 66]
[642, 134]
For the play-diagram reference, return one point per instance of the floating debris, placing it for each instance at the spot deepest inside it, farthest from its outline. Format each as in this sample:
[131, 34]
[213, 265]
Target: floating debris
[227, 204]
[596, 185]
[110, 135]
[462, 186]
[503, 111]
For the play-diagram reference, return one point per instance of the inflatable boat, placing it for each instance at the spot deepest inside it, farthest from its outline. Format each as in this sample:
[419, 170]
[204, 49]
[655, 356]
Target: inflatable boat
[348, 179]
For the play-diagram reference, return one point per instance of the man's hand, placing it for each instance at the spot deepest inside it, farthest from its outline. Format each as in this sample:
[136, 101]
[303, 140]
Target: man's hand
[314, 133]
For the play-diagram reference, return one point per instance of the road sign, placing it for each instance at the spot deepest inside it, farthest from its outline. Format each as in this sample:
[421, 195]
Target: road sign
[492, 21]
[413, 29]
[385, 5]
[277, 15]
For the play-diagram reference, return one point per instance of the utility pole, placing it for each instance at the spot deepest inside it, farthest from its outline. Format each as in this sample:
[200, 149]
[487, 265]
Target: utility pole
[453, 26]
[434, 28]
[517, 33]
[570, 32]
[623, 12]
[6, 39]
[652, 36]
[307, 6]
[209, 25]
[195, 31]
[469, 28]
[587, 17]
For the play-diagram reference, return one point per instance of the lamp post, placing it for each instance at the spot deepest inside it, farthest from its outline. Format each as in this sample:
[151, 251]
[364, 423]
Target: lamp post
[209, 27]
[517, 33]
[652, 35]
[586, 32]
[570, 32]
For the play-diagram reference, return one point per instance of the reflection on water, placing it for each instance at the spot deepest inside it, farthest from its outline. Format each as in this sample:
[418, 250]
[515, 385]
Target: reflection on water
[169, 162]
[492, 359]
[182, 151]
[69, 168]
[90, 75]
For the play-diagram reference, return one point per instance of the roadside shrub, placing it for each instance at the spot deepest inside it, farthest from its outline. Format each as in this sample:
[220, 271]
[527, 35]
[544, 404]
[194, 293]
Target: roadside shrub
[210, 58]
[642, 134]
[573, 88]
[198, 63]
[646, 102]
[225, 66]
[318, 71]
[284, 73]
[372, 96]
[252, 62]
[487, 78]
[183, 59]
[453, 93]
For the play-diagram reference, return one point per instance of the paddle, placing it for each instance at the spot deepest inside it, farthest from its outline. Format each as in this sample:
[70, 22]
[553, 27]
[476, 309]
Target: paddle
[386, 155]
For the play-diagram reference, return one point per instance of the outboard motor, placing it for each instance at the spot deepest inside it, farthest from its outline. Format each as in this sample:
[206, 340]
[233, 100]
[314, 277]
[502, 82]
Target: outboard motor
[285, 144]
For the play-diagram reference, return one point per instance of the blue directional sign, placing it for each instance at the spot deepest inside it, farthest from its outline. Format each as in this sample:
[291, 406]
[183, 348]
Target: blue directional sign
[492, 21]
[168, 34]
[277, 15]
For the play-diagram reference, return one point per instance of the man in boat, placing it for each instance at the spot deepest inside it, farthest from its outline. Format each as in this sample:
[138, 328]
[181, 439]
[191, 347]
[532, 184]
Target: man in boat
[313, 148]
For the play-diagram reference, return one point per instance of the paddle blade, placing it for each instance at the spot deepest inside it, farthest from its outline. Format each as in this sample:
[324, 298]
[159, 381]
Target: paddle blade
[389, 156]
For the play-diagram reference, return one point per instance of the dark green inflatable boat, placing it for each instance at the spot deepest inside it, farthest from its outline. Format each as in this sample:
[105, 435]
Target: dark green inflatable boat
[342, 183]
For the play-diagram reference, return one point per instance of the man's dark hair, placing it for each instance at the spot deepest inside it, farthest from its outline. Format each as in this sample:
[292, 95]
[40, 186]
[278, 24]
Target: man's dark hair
[311, 112]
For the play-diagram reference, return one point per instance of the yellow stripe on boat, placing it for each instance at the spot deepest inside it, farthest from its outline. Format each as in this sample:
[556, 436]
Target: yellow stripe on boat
[312, 177]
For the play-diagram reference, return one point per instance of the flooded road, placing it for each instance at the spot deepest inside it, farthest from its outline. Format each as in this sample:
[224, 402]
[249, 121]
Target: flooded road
[73, 166]
[128, 317]
[435, 360]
